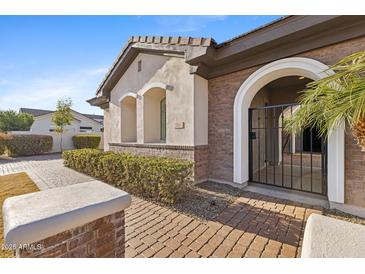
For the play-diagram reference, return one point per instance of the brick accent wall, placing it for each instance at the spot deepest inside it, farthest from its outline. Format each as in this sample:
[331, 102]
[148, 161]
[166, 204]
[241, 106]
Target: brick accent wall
[222, 92]
[104, 237]
[354, 172]
[177, 152]
[197, 154]
[201, 163]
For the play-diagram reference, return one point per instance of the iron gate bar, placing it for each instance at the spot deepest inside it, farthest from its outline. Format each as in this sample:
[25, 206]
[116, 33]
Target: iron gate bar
[291, 153]
[266, 144]
[258, 134]
[325, 169]
[311, 149]
[274, 106]
[301, 159]
[250, 174]
[282, 149]
[273, 123]
[322, 166]
[273, 130]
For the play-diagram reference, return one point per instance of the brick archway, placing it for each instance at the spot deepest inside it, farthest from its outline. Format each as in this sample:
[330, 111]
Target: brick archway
[294, 66]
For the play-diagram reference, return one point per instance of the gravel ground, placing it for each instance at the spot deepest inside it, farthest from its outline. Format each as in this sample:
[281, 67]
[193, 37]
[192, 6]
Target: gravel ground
[207, 200]
[343, 216]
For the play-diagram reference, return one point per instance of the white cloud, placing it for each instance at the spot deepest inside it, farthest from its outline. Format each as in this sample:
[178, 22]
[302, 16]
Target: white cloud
[44, 92]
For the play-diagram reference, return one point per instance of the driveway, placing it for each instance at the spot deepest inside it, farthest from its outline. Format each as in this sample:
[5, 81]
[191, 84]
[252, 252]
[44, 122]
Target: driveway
[253, 225]
[47, 171]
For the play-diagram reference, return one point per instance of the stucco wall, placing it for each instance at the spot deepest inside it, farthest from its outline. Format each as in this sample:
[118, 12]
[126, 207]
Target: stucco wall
[171, 71]
[131, 82]
[200, 111]
[222, 92]
[107, 129]
[42, 124]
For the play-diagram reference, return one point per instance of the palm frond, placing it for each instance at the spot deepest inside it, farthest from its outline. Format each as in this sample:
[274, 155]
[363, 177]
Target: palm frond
[336, 98]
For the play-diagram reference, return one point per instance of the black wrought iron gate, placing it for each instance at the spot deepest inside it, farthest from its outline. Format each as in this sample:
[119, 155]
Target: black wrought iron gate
[285, 160]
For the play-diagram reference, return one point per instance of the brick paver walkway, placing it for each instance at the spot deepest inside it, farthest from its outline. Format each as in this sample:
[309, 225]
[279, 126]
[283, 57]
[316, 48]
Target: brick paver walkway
[47, 171]
[253, 226]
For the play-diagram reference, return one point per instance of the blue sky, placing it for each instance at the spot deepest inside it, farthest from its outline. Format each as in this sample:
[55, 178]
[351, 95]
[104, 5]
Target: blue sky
[43, 58]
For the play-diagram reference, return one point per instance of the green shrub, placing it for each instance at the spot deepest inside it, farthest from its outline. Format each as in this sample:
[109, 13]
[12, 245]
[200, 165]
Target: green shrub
[3, 138]
[157, 178]
[84, 160]
[27, 144]
[86, 141]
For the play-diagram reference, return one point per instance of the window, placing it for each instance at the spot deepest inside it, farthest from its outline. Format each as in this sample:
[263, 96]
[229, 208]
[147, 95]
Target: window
[86, 129]
[139, 65]
[163, 119]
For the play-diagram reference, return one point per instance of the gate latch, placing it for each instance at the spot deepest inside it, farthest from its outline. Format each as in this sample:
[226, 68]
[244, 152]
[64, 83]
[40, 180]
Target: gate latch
[252, 135]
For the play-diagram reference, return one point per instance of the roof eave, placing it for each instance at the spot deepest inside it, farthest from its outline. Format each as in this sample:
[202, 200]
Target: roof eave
[101, 101]
[289, 36]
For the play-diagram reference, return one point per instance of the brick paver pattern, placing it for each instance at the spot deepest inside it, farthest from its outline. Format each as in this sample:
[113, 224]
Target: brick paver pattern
[47, 171]
[253, 226]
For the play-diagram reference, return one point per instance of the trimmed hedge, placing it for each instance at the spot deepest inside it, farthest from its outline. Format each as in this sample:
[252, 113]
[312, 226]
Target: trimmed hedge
[157, 178]
[3, 138]
[27, 144]
[86, 141]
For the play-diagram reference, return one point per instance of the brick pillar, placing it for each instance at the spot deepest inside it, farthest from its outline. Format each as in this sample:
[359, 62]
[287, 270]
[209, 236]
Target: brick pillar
[104, 237]
[79, 221]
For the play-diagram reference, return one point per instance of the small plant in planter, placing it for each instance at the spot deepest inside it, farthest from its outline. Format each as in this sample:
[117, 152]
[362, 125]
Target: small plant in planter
[337, 98]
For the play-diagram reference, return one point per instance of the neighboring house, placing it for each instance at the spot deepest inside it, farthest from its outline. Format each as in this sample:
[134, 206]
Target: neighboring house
[82, 123]
[221, 105]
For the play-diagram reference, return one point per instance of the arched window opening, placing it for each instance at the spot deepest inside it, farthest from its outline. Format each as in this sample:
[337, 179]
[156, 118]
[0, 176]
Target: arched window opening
[154, 115]
[128, 119]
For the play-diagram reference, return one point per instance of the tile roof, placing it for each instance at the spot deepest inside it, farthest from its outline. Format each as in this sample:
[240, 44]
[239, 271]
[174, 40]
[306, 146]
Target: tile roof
[173, 40]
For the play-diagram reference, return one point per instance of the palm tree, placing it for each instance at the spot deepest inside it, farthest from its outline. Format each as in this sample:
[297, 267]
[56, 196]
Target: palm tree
[337, 98]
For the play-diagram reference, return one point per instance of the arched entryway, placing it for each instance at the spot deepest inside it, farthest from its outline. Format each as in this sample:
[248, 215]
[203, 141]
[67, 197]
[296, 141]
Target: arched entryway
[291, 161]
[296, 66]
